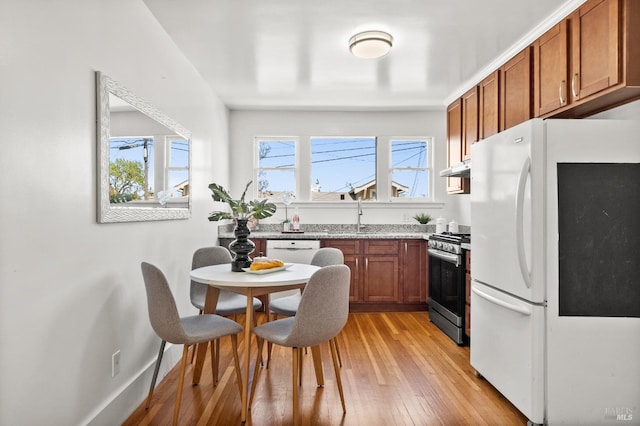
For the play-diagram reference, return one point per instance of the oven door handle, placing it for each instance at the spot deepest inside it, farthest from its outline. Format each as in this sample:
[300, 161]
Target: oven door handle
[448, 257]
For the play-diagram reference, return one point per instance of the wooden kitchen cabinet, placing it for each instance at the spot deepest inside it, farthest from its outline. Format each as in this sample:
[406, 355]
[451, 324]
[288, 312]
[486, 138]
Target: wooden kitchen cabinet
[590, 61]
[470, 121]
[386, 275]
[414, 271]
[353, 259]
[490, 105]
[381, 271]
[595, 43]
[516, 102]
[467, 306]
[381, 279]
[455, 185]
[551, 60]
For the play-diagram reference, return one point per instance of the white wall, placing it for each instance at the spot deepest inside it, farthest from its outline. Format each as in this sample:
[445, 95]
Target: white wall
[71, 291]
[245, 124]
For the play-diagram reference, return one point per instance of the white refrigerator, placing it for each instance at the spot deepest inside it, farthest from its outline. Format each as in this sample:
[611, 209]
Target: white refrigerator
[555, 266]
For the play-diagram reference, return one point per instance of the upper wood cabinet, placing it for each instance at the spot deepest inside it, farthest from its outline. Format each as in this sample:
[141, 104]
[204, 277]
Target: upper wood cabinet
[470, 121]
[455, 185]
[516, 104]
[595, 43]
[490, 105]
[551, 61]
[590, 61]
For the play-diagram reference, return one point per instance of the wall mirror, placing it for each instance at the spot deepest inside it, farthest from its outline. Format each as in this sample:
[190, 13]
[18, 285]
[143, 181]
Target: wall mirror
[143, 159]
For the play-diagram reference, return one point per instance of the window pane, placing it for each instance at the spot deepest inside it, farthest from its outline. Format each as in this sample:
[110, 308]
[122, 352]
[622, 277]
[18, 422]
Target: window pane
[343, 168]
[276, 167]
[178, 183]
[409, 154]
[179, 152]
[274, 183]
[409, 173]
[276, 154]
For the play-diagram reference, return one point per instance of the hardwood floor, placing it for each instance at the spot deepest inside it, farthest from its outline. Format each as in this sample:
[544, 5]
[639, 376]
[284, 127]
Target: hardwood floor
[398, 369]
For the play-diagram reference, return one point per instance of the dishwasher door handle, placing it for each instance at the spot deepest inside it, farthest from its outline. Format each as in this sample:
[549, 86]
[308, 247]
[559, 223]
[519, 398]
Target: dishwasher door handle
[293, 248]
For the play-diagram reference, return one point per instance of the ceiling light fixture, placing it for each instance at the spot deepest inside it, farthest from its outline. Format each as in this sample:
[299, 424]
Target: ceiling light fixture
[370, 44]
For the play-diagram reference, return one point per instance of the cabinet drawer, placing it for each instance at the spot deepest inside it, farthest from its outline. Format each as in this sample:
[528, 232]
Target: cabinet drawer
[348, 247]
[468, 261]
[381, 247]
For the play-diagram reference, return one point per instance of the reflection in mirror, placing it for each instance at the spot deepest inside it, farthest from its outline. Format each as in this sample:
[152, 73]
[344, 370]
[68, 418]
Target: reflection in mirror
[143, 159]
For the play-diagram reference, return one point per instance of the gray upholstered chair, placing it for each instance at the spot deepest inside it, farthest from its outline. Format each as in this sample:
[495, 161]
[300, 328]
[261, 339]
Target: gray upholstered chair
[321, 315]
[288, 306]
[229, 304]
[190, 330]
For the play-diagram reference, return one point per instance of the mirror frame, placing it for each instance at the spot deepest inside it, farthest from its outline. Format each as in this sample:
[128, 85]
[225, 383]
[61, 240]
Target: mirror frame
[108, 212]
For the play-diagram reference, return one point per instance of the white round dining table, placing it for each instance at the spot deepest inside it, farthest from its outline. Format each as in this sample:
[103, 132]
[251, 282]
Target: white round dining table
[217, 277]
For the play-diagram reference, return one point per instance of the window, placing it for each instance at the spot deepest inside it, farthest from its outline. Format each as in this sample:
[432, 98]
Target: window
[410, 173]
[275, 173]
[177, 166]
[343, 168]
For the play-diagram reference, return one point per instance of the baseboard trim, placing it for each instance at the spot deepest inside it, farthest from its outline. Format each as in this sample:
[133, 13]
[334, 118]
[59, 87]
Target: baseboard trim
[119, 406]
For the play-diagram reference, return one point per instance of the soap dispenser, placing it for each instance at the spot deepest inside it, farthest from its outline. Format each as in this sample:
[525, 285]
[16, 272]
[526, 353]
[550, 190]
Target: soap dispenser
[295, 222]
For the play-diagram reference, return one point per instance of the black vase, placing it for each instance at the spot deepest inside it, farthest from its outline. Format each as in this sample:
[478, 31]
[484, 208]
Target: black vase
[241, 247]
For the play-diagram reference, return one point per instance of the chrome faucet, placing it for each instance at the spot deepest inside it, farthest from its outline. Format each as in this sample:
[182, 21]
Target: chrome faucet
[359, 226]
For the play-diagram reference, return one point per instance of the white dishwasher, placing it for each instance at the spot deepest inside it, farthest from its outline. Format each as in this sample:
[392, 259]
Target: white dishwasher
[291, 251]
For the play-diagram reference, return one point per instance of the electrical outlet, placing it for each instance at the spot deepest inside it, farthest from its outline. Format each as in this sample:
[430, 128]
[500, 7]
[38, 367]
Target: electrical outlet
[115, 363]
[408, 218]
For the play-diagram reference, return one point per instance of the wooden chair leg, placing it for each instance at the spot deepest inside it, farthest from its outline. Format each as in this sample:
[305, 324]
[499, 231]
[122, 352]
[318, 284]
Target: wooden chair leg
[269, 344]
[299, 367]
[335, 339]
[183, 368]
[236, 361]
[155, 373]
[256, 370]
[295, 356]
[215, 362]
[317, 365]
[336, 368]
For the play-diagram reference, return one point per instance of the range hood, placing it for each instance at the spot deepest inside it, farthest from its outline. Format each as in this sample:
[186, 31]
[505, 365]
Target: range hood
[458, 170]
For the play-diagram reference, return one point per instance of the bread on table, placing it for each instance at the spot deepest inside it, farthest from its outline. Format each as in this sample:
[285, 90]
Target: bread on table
[266, 264]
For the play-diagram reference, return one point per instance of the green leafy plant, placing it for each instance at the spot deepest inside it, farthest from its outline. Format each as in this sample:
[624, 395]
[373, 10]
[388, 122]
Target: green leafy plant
[240, 209]
[422, 218]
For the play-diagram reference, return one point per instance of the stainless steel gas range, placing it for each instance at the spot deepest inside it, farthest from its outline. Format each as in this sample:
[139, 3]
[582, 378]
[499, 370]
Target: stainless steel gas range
[446, 284]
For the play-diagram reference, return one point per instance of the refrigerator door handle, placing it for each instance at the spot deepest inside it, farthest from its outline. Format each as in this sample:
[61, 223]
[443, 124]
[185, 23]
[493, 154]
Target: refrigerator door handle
[510, 306]
[522, 260]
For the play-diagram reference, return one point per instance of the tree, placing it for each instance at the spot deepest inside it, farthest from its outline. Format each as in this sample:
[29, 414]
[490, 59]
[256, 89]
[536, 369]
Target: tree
[126, 180]
[263, 184]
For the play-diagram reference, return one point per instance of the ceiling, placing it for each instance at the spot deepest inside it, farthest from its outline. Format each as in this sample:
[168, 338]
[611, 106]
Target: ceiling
[293, 54]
